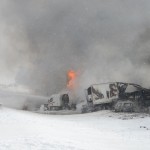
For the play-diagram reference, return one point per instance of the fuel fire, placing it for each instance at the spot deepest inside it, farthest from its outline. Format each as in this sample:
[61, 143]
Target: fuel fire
[71, 76]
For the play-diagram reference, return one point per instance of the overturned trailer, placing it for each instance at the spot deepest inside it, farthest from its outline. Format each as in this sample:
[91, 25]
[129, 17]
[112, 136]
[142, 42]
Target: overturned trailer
[106, 96]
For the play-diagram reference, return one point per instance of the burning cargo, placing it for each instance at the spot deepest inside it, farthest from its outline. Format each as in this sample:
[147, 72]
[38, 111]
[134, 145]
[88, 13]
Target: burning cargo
[107, 95]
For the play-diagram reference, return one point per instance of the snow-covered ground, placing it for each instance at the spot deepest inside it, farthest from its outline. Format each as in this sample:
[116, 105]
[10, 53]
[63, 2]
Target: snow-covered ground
[104, 130]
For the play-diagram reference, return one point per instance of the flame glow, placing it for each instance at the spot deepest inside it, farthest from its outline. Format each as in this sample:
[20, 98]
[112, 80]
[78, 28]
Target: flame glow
[71, 76]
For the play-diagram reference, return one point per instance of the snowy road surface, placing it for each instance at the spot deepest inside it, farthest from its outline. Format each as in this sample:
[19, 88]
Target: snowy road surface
[20, 130]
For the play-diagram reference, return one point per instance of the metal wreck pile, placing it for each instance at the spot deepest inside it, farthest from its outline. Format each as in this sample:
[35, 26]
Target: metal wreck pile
[125, 97]
[118, 96]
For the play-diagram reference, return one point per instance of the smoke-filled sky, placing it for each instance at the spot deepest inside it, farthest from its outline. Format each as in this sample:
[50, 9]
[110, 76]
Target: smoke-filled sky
[103, 40]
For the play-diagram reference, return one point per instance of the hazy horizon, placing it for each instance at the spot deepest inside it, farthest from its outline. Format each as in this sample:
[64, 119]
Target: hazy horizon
[102, 40]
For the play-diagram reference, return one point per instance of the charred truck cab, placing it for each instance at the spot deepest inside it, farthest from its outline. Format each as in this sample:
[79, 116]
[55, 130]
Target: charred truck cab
[57, 102]
[106, 95]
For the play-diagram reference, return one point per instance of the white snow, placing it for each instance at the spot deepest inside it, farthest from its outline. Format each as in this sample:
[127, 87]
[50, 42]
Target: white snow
[104, 130]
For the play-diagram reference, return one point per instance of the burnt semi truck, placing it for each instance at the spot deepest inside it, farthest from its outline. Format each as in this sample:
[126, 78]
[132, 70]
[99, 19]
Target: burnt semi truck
[62, 101]
[116, 96]
[107, 95]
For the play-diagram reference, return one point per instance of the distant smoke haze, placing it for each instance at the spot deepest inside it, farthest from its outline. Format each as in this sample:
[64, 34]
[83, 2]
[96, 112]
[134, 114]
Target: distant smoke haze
[103, 40]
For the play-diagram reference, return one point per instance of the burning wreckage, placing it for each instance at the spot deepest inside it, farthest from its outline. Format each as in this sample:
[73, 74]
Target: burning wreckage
[65, 100]
[118, 96]
[59, 102]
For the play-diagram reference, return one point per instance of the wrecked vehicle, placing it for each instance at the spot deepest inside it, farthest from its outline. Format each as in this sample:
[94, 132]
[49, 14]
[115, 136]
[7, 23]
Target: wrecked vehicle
[106, 95]
[58, 102]
[118, 96]
[124, 106]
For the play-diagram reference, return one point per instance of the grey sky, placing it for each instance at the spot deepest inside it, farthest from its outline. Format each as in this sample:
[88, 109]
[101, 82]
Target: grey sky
[104, 40]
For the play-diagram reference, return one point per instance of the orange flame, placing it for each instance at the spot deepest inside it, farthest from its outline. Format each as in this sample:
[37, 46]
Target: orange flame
[71, 76]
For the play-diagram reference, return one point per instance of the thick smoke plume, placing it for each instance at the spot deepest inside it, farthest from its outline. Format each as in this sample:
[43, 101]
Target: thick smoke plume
[102, 40]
